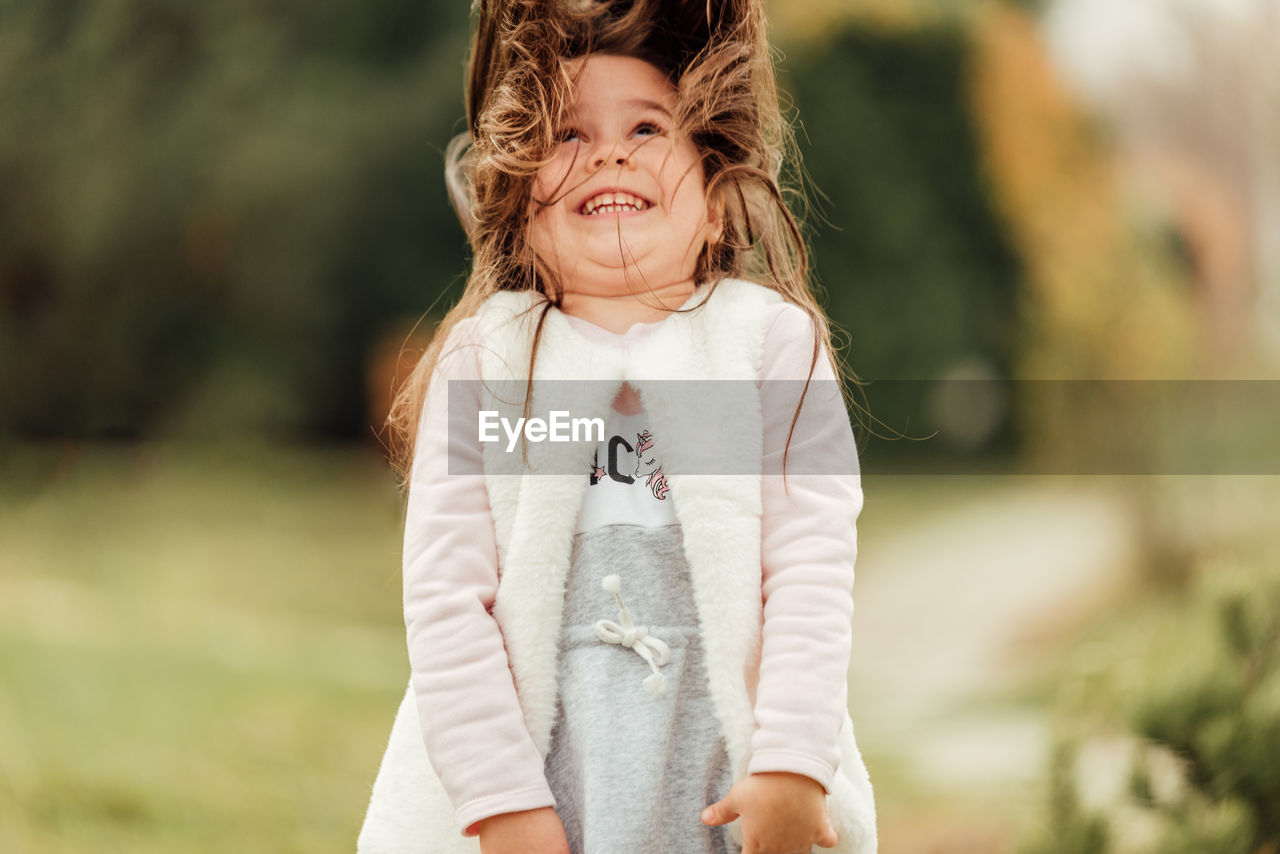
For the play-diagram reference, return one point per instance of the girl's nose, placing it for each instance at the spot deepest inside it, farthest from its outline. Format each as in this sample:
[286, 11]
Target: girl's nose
[614, 154]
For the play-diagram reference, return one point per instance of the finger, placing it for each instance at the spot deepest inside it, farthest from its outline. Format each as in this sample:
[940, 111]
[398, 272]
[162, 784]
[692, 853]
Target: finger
[718, 813]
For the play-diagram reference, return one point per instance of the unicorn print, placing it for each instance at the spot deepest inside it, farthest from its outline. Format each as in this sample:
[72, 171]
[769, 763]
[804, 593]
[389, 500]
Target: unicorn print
[648, 467]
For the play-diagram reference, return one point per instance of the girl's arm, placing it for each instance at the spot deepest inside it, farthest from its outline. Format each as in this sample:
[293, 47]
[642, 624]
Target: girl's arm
[809, 542]
[471, 717]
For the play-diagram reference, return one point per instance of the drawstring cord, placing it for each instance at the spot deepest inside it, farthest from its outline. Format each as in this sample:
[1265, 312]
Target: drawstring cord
[636, 637]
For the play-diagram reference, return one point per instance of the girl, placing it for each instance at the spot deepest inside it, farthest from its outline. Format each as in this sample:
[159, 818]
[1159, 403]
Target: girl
[612, 650]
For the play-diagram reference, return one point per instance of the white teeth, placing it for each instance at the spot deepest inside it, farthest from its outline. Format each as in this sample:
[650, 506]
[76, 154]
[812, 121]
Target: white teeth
[613, 203]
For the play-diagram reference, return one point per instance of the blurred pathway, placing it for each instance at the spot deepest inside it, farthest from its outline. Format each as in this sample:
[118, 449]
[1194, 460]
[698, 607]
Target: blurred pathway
[948, 615]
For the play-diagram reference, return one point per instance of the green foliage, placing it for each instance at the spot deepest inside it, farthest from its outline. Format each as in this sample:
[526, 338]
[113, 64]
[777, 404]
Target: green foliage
[1034, 7]
[1206, 694]
[1201, 826]
[1221, 713]
[1071, 829]
[914, 263]
[209, 212]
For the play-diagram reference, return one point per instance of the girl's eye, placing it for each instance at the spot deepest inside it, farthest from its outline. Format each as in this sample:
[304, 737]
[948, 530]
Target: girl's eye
[648, 129]
[569, 135]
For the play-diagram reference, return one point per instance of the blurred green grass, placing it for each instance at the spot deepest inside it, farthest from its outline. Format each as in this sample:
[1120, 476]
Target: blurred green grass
[202, 646]
[201, 649]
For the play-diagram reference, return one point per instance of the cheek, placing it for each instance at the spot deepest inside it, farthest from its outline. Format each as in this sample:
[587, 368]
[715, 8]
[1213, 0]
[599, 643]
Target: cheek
[548, 207]
[690, 209]
[537, 234]
[686, 190]
[547, 236]
[552, 180]
[541, 192]
[543, 218]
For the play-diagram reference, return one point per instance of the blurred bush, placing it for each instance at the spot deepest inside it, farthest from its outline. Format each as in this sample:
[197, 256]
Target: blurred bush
[1202, 702]
[914, 261]
[208, 212]
[1070, 827]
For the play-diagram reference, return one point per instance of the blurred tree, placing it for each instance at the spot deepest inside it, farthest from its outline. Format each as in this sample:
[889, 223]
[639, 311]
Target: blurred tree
[1098, 302]
[212, 214]
[914, 263]
[1104, 299]
[1191, 89]
[207, 212]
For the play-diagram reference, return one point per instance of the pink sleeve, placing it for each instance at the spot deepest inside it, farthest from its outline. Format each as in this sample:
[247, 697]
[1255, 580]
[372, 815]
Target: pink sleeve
[809, 542]
[472, 723]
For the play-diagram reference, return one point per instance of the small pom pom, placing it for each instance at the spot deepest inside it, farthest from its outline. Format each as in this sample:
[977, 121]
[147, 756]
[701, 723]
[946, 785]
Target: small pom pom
[611, 583]
[656, 684]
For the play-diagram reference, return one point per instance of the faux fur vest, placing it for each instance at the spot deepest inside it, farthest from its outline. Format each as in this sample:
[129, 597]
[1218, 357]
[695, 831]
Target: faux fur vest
[534, 519]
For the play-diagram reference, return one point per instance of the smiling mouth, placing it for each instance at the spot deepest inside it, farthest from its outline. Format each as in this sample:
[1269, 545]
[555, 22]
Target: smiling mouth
[614, 203]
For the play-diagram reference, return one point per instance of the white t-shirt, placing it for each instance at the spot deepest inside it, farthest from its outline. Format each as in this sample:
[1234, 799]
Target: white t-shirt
[627, 485]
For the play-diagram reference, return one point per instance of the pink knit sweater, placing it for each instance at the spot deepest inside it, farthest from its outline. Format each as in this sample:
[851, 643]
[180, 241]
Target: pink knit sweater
[472, 721]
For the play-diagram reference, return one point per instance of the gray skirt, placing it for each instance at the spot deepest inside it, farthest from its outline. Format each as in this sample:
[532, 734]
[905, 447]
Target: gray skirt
[631, 772]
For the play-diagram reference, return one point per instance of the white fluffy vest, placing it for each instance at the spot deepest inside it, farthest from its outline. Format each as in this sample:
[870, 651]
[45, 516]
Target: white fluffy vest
[534, 518]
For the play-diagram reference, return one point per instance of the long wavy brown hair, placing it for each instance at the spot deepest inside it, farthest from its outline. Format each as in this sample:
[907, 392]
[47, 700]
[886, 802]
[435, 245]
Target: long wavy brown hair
[519, 92]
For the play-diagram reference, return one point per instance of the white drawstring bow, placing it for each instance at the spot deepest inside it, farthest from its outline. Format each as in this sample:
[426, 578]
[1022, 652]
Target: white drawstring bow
[636, 637]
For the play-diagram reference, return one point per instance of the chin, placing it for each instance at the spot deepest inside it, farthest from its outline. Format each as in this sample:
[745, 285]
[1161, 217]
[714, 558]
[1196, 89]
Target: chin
[609, 273]
[636, 279]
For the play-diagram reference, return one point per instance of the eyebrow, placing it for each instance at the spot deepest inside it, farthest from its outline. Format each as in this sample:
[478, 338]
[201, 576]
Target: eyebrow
[645, 102]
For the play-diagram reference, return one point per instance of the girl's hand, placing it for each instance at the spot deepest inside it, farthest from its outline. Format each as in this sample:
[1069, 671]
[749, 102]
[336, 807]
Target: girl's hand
[537, 831]
[782, 813]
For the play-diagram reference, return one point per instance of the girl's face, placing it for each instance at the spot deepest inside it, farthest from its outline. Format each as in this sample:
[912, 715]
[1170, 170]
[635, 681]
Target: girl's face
[621, 207]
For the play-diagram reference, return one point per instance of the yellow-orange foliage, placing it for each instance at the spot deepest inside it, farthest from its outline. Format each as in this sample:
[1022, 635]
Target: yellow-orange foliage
[1098, 301]
[809, 22]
